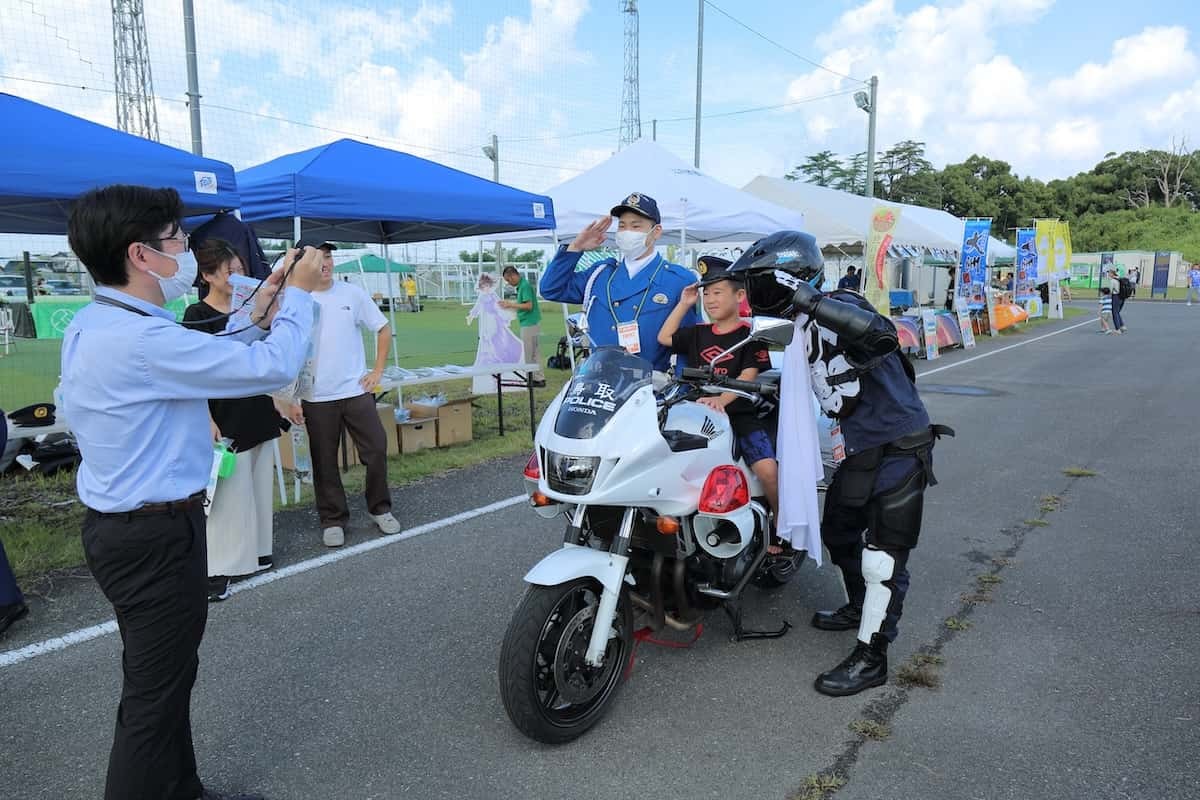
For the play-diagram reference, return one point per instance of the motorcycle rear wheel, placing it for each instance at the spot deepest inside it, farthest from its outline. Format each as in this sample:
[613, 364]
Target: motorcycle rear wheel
[549, 693]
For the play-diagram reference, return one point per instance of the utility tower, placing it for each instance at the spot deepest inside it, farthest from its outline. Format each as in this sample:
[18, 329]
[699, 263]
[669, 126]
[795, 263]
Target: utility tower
[631, 104]
[136, 112]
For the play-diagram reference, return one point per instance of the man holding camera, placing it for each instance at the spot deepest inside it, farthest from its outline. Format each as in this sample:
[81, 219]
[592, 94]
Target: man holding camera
[136, 387]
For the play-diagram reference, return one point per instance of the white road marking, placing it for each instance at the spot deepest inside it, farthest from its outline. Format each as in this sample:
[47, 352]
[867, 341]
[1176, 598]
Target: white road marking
[13, 657]
[1002, 349]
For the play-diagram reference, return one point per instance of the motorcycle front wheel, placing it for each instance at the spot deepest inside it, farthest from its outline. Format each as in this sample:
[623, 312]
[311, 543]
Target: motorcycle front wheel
[549, 692]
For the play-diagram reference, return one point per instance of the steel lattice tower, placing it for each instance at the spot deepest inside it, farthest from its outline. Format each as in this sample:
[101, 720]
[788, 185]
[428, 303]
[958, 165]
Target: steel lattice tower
[631, 104]
[136, 112]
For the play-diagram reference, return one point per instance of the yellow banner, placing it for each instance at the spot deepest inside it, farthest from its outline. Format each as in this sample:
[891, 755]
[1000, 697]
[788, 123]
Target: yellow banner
[1053, 238]
[875, 283]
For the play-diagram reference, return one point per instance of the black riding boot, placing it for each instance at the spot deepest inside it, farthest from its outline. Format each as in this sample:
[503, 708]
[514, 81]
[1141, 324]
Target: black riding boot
[845, 618]
[865, 667]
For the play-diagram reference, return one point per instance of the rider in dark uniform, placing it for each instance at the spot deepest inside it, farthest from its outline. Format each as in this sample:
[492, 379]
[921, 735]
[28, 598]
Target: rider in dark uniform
[872, 515]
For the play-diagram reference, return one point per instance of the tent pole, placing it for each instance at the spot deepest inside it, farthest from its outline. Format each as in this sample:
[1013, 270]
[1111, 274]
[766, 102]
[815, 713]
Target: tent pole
[566, 313]
[295, 230]
[387, 265]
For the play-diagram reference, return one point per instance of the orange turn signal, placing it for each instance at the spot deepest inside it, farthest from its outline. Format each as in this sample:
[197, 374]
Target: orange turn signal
[539, 499]
[668, 526]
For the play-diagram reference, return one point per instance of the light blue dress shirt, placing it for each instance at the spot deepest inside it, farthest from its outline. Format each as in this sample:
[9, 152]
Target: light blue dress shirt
[136, 391]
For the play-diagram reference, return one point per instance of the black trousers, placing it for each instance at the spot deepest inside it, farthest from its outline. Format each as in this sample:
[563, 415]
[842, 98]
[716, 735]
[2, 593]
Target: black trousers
[153, 570]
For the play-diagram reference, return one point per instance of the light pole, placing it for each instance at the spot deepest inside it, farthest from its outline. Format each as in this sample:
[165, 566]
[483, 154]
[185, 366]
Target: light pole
[193, 82]
[699, 76]
[492, 151]
[867, 102]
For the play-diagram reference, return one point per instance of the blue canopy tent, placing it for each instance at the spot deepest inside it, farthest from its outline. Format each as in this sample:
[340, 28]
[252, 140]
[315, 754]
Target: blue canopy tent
[352, 191]
[48, 158]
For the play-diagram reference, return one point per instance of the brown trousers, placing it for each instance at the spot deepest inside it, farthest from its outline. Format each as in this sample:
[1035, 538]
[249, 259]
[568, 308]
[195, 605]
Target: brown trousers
[325, 422]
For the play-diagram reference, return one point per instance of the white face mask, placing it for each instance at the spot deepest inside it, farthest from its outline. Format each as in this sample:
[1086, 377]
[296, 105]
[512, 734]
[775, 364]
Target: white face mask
[180, 283]
[631, 243]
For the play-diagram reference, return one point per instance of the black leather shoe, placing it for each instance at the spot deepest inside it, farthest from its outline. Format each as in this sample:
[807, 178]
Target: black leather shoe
[10, 614]
[865, 667]
[845, 618]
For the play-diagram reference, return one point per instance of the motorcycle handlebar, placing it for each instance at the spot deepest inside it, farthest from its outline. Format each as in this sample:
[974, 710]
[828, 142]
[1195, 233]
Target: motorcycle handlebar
[754, 387]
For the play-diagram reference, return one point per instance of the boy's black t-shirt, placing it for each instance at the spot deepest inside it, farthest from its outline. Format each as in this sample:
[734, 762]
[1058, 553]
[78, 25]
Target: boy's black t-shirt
[700, 344]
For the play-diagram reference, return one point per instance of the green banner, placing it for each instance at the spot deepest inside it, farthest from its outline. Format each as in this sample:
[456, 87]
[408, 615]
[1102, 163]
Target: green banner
[52, 315]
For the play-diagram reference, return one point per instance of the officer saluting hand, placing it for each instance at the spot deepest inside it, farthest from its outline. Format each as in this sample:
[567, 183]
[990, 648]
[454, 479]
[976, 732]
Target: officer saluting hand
[631, 298]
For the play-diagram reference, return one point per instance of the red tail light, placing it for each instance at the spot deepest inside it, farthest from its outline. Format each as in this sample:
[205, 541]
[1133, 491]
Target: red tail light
[532, 470]
[725, 490]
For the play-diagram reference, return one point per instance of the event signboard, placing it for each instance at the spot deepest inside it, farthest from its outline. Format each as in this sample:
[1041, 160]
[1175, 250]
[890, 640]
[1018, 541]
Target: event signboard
[964, 323]
[879, 237]
[929, 329]
[1107, 262]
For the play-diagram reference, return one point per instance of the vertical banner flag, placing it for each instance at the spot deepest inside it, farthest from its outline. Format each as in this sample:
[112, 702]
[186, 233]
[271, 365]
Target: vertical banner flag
[1027, 266]
[929, 328]
[875, 283]
[972, 269]
[1160, 278]
[1054, 259]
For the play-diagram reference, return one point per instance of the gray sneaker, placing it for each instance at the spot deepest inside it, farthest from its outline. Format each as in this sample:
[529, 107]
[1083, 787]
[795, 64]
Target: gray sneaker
[387, 523]
[334, 537]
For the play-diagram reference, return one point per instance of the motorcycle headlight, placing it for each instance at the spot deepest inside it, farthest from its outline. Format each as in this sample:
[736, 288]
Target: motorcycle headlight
[570, 474]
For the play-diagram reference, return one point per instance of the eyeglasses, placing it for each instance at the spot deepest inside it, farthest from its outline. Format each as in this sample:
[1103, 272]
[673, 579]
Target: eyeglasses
[185, 238]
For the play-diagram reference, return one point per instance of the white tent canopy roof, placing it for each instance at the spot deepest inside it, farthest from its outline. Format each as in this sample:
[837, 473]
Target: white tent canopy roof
[689, 201]
[835, 217]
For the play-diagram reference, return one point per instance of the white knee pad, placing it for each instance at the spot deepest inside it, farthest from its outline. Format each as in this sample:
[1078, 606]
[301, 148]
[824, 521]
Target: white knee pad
[877, 567]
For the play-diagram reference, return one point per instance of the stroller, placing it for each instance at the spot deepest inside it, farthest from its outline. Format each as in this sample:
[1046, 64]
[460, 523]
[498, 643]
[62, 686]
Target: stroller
[561, 358]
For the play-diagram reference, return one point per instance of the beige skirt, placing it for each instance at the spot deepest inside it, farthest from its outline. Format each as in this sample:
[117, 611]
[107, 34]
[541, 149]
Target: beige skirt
[240, 518]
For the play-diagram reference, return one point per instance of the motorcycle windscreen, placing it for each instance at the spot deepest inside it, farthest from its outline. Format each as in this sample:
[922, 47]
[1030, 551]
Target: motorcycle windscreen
[605, 381]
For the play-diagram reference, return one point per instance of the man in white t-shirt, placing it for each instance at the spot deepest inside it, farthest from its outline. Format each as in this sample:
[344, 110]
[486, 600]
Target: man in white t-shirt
[343, 399]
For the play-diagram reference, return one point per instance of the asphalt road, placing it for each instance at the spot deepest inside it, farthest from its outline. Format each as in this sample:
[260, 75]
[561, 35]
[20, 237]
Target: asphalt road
[375, 677]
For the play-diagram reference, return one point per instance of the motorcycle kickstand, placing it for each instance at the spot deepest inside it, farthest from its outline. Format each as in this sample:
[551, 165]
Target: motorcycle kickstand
[734, 611]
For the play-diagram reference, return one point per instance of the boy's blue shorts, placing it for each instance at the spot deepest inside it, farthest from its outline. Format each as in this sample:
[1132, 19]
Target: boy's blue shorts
[756, 445]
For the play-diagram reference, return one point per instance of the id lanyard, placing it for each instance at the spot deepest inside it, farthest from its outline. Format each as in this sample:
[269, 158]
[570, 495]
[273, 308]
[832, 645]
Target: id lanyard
[642, 304]
[108, 301]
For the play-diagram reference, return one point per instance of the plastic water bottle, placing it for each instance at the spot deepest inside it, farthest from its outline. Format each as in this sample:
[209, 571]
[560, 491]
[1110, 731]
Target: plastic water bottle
[301, 455]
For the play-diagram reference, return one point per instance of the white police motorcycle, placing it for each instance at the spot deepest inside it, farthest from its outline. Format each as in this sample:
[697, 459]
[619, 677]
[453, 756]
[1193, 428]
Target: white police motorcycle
[664, 523]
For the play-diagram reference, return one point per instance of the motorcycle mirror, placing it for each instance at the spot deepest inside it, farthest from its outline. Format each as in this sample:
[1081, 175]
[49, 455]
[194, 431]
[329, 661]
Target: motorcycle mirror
[772, 329]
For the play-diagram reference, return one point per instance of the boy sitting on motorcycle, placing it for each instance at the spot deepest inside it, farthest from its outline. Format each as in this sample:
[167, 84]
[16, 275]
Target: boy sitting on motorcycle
[724, 293]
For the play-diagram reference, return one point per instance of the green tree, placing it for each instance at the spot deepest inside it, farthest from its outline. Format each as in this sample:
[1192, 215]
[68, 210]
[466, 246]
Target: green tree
[819, 169]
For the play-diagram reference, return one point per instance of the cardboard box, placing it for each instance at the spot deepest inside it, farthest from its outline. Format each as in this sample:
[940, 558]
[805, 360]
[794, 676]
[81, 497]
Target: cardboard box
[387, 416]
[454, 420]
[417, 434]
[454, 423]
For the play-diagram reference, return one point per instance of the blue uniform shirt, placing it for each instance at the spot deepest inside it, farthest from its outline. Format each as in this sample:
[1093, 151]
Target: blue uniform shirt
[649, 298]
[136, 391]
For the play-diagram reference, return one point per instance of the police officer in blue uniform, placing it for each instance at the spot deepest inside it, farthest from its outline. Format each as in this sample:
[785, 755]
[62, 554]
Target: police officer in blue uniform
[628, 301]
[874, 504]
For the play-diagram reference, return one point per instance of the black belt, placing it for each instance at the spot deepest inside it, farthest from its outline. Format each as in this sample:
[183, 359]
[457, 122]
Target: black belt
[196, 500]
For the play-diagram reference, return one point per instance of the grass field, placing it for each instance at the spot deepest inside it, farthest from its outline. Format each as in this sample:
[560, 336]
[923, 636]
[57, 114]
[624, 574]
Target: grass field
[436, 336]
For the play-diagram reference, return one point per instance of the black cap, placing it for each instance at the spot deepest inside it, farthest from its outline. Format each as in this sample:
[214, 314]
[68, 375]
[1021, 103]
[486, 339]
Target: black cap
[34, 416]
[641, 204]
[318, 244]
[713, 269]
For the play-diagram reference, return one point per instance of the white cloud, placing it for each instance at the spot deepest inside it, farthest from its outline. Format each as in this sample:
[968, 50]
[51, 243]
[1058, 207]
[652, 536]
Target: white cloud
[1153, 55]
[946, 80]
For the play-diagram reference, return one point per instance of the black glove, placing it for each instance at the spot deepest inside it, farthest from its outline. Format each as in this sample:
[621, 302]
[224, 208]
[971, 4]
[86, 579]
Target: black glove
[806, 297]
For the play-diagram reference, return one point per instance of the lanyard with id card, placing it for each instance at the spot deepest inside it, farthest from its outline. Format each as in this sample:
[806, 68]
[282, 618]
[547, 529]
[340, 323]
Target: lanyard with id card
[839, 444]
[628, 338]
[628, 334]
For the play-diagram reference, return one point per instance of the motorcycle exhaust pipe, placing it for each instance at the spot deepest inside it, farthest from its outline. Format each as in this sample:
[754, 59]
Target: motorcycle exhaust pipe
[669, 619]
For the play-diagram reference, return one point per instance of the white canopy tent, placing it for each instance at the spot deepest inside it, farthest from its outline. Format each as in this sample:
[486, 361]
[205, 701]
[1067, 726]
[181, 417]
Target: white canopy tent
[694, 207]
[836, 218]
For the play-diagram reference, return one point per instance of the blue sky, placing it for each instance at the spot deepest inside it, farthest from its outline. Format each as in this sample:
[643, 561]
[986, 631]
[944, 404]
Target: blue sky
[1048, 85]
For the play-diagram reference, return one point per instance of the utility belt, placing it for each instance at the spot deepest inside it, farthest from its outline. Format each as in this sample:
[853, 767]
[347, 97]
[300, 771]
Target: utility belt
[854, 481]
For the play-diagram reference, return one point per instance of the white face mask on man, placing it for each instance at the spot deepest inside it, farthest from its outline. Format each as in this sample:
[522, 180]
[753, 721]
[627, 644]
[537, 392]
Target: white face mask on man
[179, 284]
[632, 244]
